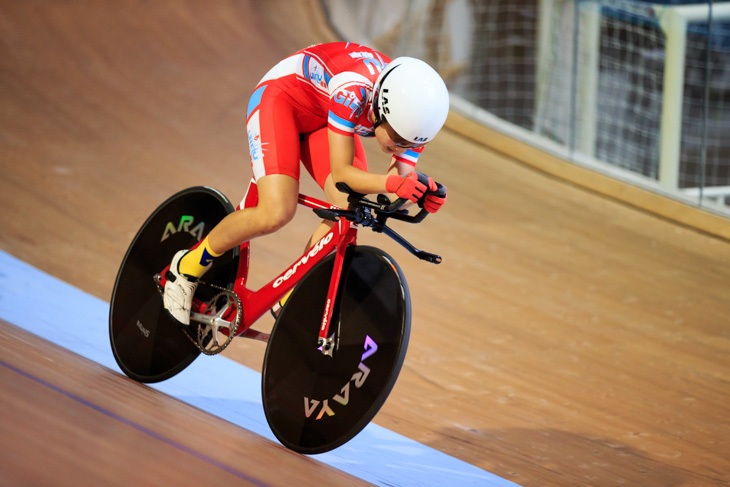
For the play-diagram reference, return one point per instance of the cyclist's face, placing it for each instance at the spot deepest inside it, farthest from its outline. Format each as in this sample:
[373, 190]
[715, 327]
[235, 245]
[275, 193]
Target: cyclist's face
[390, 142]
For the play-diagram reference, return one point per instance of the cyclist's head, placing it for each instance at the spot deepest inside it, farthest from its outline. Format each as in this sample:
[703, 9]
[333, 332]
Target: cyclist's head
[411, 96]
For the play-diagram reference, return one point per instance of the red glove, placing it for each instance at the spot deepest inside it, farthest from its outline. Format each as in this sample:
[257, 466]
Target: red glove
[409, 186]
[435, 198]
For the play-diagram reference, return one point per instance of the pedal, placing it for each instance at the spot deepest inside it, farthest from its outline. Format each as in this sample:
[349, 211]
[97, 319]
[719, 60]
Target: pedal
[213, 318]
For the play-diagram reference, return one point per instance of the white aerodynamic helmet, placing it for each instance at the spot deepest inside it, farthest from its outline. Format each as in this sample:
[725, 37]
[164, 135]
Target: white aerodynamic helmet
[413, 98]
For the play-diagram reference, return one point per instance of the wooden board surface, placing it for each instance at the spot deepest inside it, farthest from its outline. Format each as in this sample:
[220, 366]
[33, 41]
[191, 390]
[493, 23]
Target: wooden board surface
[69, 421]
[566, 339]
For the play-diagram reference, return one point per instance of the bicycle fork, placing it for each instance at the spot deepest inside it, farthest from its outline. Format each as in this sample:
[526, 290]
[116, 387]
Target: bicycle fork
[328, 342]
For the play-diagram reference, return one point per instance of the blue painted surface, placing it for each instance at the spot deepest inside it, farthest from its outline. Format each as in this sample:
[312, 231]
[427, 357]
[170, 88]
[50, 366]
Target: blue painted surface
[77, 321]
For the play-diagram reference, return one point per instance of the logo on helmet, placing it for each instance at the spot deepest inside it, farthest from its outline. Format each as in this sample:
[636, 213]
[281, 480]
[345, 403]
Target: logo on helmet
[385, 109]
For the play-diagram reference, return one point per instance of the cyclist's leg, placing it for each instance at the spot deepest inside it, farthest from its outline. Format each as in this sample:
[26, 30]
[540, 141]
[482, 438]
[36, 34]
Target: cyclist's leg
[273, 133]
[335, 197]
[276, 207]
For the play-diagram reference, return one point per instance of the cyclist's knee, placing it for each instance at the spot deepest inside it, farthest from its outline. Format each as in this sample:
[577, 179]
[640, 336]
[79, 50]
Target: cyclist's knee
[277, 202]
[334, 195]
[273, 219]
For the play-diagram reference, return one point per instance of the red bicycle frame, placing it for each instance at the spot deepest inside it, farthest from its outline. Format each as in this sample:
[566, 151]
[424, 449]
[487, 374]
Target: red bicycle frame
[256, 303]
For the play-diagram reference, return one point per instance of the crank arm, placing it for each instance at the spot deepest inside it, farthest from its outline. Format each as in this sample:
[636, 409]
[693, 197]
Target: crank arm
[215, 321]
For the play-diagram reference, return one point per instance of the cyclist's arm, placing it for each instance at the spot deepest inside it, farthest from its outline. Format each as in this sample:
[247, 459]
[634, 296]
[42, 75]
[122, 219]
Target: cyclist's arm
[406, 162]
[400, 168]
[342, 153]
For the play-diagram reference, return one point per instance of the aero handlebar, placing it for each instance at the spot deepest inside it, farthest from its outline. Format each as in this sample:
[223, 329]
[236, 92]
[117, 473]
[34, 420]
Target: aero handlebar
[368, 213]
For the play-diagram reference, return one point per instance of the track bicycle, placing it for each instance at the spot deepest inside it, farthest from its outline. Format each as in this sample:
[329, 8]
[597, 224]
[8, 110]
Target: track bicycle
[338, 343]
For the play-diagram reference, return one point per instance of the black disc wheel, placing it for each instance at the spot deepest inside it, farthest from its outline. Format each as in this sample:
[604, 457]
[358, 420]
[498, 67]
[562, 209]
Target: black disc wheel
[313, 402]
[147, 343]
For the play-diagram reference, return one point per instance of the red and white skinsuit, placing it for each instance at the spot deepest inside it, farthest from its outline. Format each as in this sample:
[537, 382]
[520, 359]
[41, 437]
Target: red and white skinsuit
[326, 86]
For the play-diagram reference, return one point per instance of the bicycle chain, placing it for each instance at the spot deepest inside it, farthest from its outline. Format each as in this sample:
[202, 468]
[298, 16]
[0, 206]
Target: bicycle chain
[203, 331]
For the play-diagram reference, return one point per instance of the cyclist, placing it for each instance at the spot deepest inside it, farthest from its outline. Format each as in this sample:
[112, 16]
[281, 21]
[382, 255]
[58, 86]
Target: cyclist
[312, 108]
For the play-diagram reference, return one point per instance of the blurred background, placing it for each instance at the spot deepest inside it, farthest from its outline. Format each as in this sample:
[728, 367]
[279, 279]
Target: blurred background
[636, 89]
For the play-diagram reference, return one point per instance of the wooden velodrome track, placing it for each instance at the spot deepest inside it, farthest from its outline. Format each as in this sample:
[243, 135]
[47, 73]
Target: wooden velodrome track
[567, 339]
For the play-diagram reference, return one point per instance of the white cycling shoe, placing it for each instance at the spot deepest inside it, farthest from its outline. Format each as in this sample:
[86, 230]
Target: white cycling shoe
[179, 291]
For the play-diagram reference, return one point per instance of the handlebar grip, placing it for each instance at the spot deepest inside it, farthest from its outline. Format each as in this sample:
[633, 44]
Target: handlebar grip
[440, 190]
[395, 205]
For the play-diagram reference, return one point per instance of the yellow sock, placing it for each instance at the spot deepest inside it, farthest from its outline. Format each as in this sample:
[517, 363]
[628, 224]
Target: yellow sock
[195, 262]
[283, 300]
